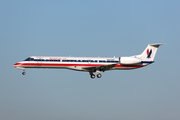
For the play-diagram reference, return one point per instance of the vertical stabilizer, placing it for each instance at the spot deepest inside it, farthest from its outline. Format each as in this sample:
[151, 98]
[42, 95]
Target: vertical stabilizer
[150, 52]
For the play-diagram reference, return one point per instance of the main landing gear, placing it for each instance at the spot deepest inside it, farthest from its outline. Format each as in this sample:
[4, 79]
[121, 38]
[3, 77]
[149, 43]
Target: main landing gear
[93, 76]
[99, 75]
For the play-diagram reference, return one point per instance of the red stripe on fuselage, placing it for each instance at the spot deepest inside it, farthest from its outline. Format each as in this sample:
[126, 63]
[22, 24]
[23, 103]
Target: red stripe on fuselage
[17, 64]
[137, 66]
[55, 64]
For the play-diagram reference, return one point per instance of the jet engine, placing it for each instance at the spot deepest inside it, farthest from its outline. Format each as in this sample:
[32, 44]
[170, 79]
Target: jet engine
[129, 60]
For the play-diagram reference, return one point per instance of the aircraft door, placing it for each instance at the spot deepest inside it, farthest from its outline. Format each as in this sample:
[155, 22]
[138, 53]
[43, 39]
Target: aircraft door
[89, 61]
[39, 62]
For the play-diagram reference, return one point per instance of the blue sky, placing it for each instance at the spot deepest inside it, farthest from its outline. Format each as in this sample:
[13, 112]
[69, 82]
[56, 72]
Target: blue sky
[89, 28]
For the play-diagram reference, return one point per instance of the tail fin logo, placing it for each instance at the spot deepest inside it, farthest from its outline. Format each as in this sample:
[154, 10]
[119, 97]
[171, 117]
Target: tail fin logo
[149, 53]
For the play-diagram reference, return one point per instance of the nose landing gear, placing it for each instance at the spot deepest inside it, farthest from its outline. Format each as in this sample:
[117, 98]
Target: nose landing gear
[23, 73]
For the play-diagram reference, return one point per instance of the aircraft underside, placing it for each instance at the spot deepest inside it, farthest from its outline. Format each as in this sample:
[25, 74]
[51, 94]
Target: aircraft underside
[82, 68]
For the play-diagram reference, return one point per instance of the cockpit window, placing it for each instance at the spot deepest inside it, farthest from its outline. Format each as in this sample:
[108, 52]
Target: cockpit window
[29, 59]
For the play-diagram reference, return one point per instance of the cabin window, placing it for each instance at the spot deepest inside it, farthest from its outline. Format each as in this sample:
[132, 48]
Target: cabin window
[84, 60]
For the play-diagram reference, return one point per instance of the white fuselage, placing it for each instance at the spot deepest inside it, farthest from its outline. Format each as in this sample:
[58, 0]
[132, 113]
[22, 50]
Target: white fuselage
[74, 63]
[91, 64]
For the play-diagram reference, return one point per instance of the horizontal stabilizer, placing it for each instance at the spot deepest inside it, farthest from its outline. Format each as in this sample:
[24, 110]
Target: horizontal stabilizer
[157, 44]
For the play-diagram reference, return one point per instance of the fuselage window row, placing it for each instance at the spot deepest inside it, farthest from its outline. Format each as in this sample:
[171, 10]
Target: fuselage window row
[52, 60]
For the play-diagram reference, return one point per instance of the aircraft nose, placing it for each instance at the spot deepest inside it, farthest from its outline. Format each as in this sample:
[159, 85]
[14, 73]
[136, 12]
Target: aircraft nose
[16, 64]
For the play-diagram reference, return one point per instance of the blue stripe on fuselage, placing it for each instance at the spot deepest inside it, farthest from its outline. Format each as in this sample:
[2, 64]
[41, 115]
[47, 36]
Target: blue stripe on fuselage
[147, 62]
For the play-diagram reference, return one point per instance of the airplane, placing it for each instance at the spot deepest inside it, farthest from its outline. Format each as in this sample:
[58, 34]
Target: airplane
[91, 64]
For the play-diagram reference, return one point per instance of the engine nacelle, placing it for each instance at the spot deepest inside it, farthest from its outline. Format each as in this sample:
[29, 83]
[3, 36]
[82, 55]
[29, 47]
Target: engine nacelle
[129, 60]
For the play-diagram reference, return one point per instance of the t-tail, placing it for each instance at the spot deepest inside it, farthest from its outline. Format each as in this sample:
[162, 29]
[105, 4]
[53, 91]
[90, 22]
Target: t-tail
[146, 57]
[150, 52]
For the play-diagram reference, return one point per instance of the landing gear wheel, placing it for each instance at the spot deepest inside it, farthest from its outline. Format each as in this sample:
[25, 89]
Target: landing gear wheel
[99, 75]
[92, 76]
[23, 73]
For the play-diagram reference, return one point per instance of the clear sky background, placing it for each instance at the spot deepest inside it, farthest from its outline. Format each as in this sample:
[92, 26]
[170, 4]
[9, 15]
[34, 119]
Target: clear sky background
[105, 28]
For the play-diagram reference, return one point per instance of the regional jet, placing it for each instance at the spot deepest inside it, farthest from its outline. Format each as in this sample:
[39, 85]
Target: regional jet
[91, 64]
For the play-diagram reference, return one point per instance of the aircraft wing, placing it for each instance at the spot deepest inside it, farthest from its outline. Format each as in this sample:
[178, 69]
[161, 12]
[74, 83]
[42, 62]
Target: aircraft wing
[100, 68]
